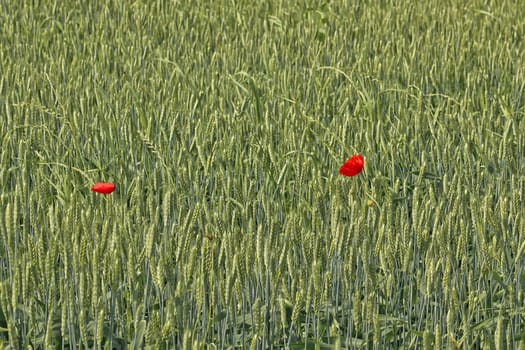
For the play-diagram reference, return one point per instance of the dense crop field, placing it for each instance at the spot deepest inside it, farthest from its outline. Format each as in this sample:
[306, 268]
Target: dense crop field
[223, 125]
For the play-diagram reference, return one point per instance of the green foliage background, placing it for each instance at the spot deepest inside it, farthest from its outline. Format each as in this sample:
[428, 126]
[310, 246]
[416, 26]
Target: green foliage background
[223, 125]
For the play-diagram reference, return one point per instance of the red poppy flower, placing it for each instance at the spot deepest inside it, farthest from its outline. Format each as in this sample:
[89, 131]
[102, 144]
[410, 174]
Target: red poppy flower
[352, 166]
[103, 187]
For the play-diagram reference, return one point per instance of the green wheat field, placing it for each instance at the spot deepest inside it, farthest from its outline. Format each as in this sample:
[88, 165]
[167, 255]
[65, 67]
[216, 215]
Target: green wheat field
[223, 125]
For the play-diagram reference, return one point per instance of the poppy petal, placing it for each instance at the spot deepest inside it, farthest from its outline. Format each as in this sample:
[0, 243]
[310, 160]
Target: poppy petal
[353, 166]
[103, 187]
